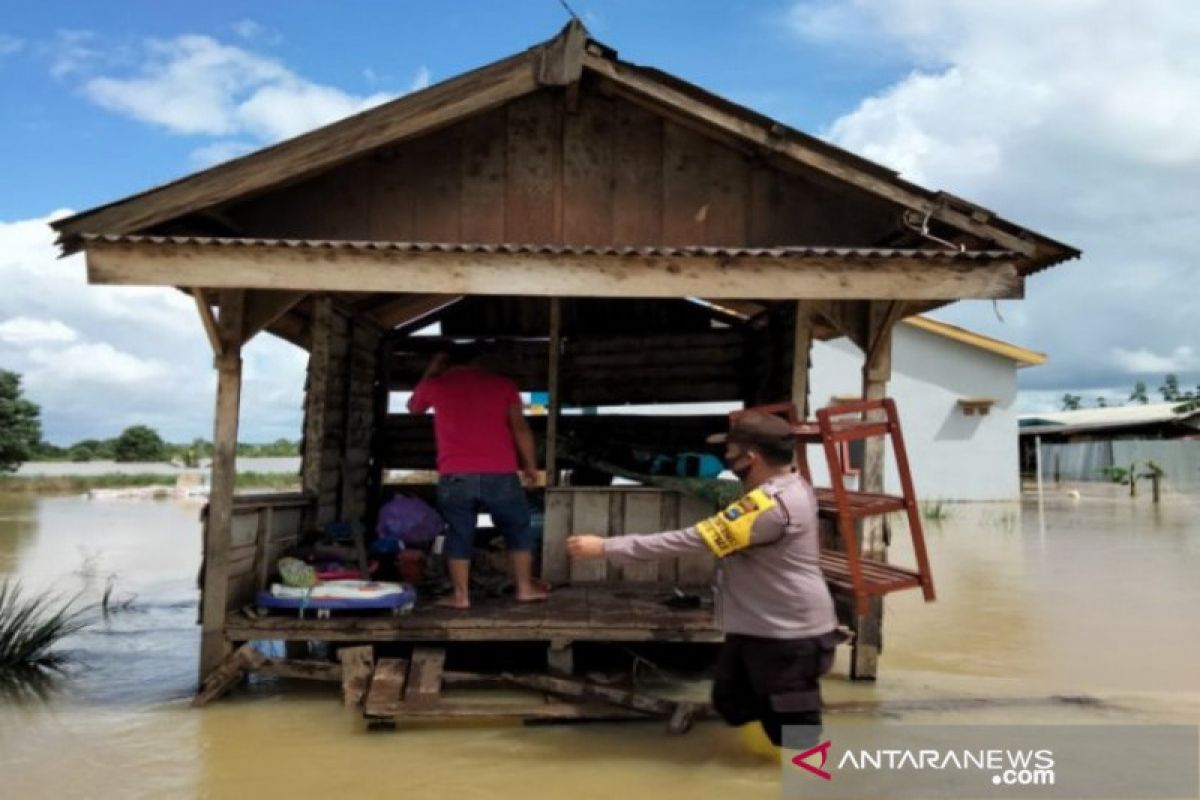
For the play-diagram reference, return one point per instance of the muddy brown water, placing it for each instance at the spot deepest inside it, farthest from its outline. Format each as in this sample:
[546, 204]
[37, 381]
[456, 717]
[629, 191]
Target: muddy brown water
[1100, 596]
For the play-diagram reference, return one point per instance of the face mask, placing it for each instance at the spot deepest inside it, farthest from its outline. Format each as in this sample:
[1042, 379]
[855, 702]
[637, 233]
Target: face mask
[740, 471]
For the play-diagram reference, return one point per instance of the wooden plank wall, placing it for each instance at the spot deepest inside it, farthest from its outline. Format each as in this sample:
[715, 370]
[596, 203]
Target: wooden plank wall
[339, 413]
[258, 539]
[607, 173]
[616, 511]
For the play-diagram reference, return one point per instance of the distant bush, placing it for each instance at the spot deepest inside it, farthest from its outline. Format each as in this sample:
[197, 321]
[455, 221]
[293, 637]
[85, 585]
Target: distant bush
[140, 443]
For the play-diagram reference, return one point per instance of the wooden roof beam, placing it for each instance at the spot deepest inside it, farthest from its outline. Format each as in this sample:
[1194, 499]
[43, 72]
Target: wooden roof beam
[815, 277]
[263, 307]
[411, 307]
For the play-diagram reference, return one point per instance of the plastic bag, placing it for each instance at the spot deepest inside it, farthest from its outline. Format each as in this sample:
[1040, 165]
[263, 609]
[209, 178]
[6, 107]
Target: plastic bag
[408, 521]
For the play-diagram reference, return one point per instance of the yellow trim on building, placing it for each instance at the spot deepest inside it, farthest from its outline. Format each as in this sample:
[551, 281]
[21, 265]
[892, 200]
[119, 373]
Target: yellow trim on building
[1019, 354]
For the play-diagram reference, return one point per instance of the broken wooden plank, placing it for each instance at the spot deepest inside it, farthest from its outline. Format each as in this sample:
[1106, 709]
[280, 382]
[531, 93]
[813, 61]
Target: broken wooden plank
[387, 686]
[534, 711]
[624, 698]
[300, 669]
[357, 664]
[227, 673]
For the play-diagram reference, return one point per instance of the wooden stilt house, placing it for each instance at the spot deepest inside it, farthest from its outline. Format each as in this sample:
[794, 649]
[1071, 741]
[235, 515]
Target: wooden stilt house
[621, 237]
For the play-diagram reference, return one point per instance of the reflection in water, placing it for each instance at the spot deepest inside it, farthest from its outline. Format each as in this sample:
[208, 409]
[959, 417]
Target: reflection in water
[31, 684]
[1098, 606]
[18, 528]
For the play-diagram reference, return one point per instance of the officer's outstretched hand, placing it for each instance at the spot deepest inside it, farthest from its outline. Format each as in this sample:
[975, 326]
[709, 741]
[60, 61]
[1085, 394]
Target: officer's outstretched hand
[579, 547]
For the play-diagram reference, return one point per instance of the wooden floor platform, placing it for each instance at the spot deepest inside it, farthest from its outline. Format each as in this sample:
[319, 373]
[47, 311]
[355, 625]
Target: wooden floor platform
[572, 613]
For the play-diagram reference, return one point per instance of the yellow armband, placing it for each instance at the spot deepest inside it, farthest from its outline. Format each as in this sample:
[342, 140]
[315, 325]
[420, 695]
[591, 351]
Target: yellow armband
[729, 531]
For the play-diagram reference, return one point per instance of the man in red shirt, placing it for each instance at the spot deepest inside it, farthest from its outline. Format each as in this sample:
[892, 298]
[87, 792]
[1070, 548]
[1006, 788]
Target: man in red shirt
[481, 433]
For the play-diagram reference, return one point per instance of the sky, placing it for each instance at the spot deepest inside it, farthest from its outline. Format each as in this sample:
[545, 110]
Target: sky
[1077, 118]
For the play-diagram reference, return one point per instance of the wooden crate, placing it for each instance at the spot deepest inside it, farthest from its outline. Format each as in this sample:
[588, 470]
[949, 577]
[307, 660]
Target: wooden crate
[616, 511]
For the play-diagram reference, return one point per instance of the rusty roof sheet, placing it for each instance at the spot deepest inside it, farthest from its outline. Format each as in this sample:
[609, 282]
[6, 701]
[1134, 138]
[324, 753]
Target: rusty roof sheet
[563, 249]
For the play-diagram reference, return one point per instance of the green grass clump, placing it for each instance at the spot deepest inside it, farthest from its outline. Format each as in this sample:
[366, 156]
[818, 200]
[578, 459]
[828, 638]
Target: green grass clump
[31, 626]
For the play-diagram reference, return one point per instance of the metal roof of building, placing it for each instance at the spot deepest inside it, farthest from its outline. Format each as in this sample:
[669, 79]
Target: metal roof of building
[932, 254]
[1113, 417]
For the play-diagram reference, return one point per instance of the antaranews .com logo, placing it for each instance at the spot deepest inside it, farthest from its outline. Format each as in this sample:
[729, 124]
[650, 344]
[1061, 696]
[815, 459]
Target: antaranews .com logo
[921, 762]
[1005, 767]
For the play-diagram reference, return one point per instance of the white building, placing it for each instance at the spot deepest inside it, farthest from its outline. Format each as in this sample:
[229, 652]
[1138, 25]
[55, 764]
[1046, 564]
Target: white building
[956, 394]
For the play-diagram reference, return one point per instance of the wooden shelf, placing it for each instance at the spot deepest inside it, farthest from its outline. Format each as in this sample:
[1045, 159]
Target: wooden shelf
[878, 577]
[858, 504]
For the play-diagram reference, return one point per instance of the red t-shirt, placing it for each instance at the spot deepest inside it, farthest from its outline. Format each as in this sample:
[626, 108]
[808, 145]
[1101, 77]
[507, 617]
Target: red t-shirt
[470, 419]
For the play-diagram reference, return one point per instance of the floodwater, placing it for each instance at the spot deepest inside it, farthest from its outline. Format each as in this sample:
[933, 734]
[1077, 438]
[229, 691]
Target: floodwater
[1099, 597]
[58, 468]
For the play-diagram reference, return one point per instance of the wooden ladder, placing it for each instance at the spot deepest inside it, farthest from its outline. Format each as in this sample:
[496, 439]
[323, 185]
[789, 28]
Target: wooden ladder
[848, 571]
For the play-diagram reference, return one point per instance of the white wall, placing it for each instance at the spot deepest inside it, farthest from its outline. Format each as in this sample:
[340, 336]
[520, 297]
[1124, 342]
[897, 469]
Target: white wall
[952, 456]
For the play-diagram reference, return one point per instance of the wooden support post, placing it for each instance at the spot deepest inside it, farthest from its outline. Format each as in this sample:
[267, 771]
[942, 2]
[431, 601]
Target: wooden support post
[357, 665]
[552, 387]
[213, 647]
[383, 368]
[262, 548]
[801, 353]
[881, 317]
[560, 657]
[317, 401]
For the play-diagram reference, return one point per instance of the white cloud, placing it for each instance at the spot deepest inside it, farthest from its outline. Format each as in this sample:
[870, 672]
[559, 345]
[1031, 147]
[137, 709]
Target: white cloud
[90, 362]
[421, 79]
[246, 28]
[10, 44]
[1079, 119]
[833, 22]
[251, 30]
[71, 52]
[24, 330]
[100, 358]
[1145, 362]
[290, 107]
[196, 85]
[219, 151]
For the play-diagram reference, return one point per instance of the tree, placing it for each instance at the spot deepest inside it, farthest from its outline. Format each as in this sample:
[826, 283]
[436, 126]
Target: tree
[1101, 402]
[1170, 388]
[20, 426]
[1138, 395]
[1070, 402]
[140, 443]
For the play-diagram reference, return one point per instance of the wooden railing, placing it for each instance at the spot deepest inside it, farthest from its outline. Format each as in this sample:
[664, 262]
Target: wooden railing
[264, 527]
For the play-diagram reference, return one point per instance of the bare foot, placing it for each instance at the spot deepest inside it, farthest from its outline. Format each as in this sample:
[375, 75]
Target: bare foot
[451, 601]
[534, 594]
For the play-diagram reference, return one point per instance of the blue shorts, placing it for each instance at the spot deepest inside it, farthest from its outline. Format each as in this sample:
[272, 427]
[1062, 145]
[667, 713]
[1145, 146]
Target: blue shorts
[462, 497]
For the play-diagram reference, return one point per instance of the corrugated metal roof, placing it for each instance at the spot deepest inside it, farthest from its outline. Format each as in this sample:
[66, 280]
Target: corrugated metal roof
[564, 249]
[1099, 418]
[1021, 355]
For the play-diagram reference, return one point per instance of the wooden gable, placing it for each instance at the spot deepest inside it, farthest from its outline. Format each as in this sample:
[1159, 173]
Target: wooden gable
[586, 170]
